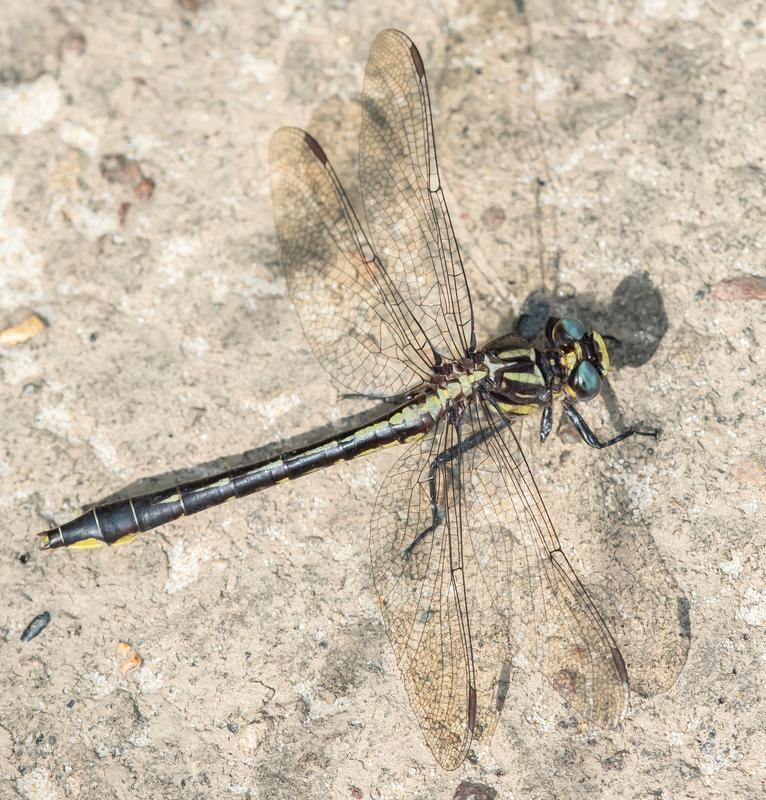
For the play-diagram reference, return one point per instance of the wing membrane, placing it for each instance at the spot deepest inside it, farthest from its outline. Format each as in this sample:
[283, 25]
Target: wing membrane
[405, 207]
[358, 326]
[468, 568]
[450, 652]
[534, 590]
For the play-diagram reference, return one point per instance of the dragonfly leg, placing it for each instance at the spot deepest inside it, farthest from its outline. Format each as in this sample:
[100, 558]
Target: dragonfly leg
[590, 438]
[437, 509]
[546, 421]
[402, 397]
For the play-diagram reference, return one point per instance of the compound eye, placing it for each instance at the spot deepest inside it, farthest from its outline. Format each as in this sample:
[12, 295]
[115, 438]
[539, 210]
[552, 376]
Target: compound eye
[568, 331]
[585, 381]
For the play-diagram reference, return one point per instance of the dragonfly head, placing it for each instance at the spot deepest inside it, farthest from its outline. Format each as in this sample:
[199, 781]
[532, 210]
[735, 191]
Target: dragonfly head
[582, 354]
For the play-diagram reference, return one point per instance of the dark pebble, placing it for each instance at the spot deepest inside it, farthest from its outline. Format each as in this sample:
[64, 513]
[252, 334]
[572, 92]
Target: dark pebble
[36, 626]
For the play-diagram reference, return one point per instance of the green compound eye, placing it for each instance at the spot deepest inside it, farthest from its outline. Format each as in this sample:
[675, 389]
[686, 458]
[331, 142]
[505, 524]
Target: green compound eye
[585, 381]
[567, 331]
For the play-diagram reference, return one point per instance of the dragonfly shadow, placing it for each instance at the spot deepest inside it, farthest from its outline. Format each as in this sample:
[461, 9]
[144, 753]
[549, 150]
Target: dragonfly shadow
[635, 318]
[334, 122]
[207, 469]
[645, 608]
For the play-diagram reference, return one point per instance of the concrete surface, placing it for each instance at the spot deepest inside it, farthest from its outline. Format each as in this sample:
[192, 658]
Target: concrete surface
[606, 157]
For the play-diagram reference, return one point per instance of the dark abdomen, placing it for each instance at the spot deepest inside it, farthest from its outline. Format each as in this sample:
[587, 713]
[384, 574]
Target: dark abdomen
[115, 523]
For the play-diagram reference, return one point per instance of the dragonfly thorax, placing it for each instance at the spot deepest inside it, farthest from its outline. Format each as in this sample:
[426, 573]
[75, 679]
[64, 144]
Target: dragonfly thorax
[520, 383]
[524, 379]
[455, 382]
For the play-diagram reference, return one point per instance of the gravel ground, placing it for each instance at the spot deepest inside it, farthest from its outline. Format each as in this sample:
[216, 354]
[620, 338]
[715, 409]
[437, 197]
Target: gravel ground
[602, 159]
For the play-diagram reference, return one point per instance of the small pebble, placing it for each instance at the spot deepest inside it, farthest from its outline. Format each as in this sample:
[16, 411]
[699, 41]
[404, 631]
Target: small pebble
[493, 217]
[18, 334]
[468, 790]
[131, 660]
[73, 42]
[36, 626]
[118, 168]
[747, 287]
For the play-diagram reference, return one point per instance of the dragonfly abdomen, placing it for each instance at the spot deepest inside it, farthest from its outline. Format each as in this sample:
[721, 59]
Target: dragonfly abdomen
[119, 522]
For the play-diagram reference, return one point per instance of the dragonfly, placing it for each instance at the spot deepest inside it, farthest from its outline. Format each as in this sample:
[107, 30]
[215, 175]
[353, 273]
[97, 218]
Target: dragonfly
[466, 563]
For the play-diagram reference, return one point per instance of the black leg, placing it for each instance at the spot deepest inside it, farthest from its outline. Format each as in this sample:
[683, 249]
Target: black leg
[437, 509]
[394, 398]
[587, 435]
[546, 421]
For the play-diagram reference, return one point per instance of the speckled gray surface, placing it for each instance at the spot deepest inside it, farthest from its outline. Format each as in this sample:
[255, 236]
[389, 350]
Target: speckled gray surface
[610, 154]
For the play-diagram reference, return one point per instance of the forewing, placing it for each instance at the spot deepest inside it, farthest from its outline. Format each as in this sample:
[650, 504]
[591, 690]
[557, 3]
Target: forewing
[404, 203]
[544, 606]
[357, 324]
[449, 647]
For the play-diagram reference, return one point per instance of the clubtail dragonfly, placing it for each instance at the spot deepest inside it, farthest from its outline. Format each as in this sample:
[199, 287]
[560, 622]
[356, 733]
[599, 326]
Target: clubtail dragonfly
[466, 562]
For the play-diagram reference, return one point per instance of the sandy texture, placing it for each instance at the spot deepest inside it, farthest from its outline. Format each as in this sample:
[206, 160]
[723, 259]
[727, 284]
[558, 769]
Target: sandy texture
[608, 156]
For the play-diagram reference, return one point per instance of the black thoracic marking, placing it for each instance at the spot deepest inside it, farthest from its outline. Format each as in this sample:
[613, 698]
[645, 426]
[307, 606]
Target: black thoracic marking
[524, 366]
[521, 388]
[542, 360]
[508, 341]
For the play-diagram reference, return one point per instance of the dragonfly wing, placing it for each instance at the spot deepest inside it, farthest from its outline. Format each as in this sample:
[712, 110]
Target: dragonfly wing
[406, 211]
[450, 652]
[520, 564]
[358, 326]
